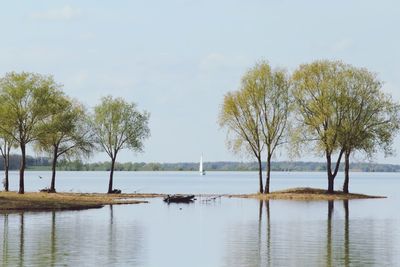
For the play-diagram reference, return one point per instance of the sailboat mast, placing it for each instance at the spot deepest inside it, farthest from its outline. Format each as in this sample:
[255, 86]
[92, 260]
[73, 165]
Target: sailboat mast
[201, 164]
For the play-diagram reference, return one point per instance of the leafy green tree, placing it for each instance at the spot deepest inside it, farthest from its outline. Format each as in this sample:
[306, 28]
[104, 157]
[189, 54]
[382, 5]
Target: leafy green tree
[65, 133]
[26, 102]
[268, 91]
[242, 120]
[118, 125]
[6, 144]
[318, 91]
[370, 120]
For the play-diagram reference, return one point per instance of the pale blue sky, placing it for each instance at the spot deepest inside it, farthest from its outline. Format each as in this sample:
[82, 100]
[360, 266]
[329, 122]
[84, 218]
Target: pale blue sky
[177, 58]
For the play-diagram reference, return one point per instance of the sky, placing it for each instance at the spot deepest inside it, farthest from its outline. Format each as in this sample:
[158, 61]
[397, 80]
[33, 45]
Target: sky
[176, 59]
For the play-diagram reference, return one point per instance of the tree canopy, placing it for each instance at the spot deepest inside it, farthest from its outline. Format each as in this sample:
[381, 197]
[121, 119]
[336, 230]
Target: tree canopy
[257, 114]
[65, 133]
[118, 125]
[26, 100]
[371, 117]
[318, 91]
[242, 121]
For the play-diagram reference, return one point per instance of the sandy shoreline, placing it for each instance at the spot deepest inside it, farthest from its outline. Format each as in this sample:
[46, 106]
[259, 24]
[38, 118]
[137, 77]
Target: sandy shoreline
[35, 201]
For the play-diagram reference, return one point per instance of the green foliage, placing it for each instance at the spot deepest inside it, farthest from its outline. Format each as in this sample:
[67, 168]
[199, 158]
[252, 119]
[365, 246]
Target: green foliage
[27, 99]
[371, 117]
[318, 90]
[256, 115]
[66, 132]
[343, 109]
[268, 94]
[118, 125]
[242, 122]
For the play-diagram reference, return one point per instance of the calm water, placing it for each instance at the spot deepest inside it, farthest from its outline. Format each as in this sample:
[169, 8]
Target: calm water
[221, 232]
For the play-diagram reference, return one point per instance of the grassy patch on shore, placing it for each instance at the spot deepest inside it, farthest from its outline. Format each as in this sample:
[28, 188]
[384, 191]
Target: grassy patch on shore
[306, 193]
[12, 201]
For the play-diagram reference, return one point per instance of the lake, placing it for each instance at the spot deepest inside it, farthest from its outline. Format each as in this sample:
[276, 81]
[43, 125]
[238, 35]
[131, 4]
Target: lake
[220, 232]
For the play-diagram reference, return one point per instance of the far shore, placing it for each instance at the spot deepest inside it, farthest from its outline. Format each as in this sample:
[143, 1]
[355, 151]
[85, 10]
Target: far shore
[37, 201]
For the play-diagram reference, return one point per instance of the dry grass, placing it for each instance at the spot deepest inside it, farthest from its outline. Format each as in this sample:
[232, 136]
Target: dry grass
[12, 201]
[306, 193]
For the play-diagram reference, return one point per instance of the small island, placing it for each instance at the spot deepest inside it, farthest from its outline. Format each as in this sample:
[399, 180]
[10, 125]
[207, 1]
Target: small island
[307, 194]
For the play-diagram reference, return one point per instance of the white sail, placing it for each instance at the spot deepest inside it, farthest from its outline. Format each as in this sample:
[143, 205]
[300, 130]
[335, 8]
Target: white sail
[201, 170]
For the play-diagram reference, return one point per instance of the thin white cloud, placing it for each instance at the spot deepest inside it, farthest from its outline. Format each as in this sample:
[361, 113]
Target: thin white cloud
[217, 61]
[342, 45]
[64, 13]
[391, 88]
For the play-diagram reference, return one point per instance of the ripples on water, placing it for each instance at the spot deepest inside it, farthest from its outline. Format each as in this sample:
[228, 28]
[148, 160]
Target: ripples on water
[224, 232]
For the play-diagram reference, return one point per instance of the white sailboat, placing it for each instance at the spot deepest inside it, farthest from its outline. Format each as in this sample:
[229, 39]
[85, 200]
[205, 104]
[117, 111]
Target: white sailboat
[201, 170]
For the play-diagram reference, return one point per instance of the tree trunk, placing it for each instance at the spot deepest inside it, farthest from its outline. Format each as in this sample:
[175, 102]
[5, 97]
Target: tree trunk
[346, 172]
[53, 171]
[260, 178]
[329, 173]
[110, 183]
[6, 183]
[268, 174]
[22, 169]
[7, 167]
[331, 184]
[332, 175]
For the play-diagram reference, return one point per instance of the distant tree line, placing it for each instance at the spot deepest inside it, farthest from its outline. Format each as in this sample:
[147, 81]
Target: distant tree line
[31, 162]
[43, 163]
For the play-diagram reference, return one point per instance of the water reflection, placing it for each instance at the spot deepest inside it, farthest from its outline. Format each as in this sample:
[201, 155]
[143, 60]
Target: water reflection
[5, 239]
[346, 233]
[69, 238]
[53, 239]
[305, 242]
[111, 236]
[21, 240]
[231, 232]
[329, 234]
[268, 233]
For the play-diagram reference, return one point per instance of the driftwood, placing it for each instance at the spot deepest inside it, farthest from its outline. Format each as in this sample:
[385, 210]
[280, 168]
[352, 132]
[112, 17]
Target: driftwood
[47, 190]
[179, 198]
[211, 199]
[116, 191]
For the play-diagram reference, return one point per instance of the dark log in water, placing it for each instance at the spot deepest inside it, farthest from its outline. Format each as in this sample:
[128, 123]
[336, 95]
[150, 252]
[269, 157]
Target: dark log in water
[179, 198]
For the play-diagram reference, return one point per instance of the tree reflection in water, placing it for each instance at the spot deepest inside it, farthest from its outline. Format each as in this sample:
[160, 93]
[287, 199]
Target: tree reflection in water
[53, 239]
[21, 240]
[69, 238]
[294, 233]
[5, 239]
[329, 234]
[340, 257]
[346, 233]
[285, 239]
